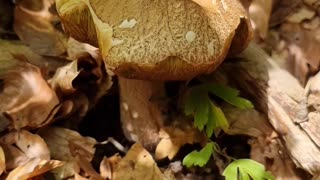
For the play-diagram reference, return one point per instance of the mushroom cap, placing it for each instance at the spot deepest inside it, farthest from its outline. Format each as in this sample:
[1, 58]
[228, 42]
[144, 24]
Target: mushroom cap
[158, 39]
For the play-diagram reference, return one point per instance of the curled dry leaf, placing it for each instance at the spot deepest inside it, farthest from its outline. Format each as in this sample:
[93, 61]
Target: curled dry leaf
[304, 47]
[88, 169]
[21, 146]
[304, 13]
[39, 30]
[26, 98]
[76, 48]
[108, 165]
[79, 177]
[67, 145]
[62, 80]
[13, 52]
[33, 168]
[260, 11]
[105, 168]
[31, 145]
[172, 139]
[2, 161]
[14, 156]
[282, 9]
[137, 164]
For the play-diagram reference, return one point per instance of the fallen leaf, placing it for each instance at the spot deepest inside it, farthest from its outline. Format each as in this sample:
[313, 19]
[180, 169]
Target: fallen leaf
[32, 145]
[26, 98]
[137, 164]
[78, 177]
[105, 168]
[88, 169]
[38, 31]
[303, 13]
[66, 145]
[34, 167]
[2, 161]
[304, 48]
[76, 49]
[9, 50]
[14, 156]
[21, 146]
[64, 76]
[282, 9]
[172, 139]
[260, 11]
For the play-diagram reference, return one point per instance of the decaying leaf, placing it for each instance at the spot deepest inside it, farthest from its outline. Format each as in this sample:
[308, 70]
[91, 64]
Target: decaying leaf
[39, 30]
[137, 164]
[260, 11]
[31, 145]
[108, 165]
[14, 156]
[26, 98]
[172, 139]
[33, 168]
[303, 13]
[10, 50]
[88, 169]
[62, 80]
[69, 146]
[105, 168]
[21, 146]
[304, 47]
[76, 48]
[2, 161]
[282, 9]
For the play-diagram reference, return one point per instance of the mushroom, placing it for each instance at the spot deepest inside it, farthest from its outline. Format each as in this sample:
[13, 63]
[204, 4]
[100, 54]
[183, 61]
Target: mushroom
[148, 42]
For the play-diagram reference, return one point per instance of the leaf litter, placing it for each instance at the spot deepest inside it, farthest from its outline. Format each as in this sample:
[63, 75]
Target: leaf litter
[45, 77]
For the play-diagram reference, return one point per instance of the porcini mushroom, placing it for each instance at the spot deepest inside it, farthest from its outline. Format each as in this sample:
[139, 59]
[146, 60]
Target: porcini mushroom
[148, 42]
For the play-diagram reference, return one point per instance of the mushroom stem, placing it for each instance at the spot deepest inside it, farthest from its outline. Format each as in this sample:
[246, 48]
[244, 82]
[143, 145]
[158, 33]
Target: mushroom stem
[142, 105]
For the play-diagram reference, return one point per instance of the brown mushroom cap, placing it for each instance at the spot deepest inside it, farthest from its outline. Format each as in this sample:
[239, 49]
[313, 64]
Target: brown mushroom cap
[160, 40]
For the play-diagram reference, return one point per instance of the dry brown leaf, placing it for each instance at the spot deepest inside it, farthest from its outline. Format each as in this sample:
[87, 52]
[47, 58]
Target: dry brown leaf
[108, 165]
[32, 145]
[304, 13]
[260, 11]
[88, 169]
[282, 9]
[66, 145]
[14, 157]
[105, 168]
[2, 161]
[304, 47]
[34, 167]
[38, 31]
[137, 164]
[11, 49]
[172, 139]
[78, 177]
[64, 76]
[76, 48]
[26, 98]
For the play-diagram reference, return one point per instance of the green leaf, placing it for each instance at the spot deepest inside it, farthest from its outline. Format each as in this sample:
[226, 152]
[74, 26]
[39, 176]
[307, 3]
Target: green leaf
[246, 169]
[216, 119]
[206, 115]
[197, 102]
[199, 158]
[190, 102]
[229, 95]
